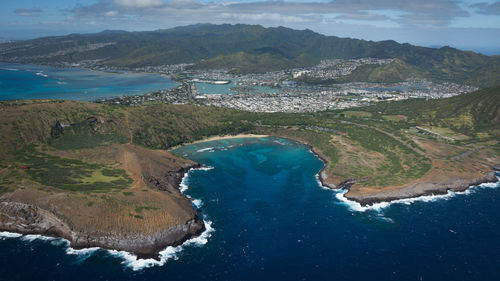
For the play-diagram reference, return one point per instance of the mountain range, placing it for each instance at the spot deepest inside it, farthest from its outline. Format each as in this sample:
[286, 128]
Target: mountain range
[253, 48]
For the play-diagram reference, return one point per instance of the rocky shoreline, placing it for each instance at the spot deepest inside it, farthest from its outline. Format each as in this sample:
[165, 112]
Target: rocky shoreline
[29, 219]
[411, 191]
[422, 189]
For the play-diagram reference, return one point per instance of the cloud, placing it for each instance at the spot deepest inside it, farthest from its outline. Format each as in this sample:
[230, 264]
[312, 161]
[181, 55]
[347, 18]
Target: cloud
[27, 12]
[268, 17]
[139, 3]
[487, 8]
[395, 12]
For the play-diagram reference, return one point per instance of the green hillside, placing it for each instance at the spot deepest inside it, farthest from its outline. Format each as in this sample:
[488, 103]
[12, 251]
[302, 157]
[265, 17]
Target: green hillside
[378, 146]
[253, 48]
[468, 113]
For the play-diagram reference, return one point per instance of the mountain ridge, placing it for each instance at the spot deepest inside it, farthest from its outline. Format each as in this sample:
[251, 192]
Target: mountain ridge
[247, 49]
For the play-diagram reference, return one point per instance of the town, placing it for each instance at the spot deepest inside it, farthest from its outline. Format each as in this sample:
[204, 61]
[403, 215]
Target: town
[284, 91]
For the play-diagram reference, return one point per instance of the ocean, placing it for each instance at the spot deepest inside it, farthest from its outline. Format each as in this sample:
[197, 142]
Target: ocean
[269, 219]
[20, 81]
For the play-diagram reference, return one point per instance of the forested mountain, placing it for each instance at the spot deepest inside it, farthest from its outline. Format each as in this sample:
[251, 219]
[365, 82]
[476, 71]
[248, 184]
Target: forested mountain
[253, 48]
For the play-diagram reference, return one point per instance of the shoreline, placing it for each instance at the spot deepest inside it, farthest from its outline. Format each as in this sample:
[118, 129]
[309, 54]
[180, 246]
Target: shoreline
[137, 252]
[226, 137]
[433, 189]
[30, 219]
[459, 185]
[42, 222]
[216, 138]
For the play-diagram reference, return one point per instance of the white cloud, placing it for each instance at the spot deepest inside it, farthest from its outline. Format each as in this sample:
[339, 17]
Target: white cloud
[139, 3]
[375, 13]
[268, 17]
[111, 13]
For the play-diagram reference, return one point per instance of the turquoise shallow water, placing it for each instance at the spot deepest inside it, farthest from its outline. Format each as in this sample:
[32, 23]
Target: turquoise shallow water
[272, 221]
[44, 82]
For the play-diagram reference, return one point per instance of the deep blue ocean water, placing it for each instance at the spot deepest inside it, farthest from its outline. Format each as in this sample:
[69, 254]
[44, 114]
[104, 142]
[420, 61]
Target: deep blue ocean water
[44, 82]
[273, 221]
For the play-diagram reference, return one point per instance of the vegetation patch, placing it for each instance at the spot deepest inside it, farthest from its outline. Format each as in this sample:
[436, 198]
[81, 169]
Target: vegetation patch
[394, 118]
[69, 174]
[359, 114]
[82, 140]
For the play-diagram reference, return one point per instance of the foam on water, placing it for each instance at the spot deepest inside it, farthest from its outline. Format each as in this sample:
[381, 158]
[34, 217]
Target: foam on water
[204, 168]
[33, 237]
[82, 252]
[41, 74]
[6, 234]
[319, 182]
[183, 186]
[357, 207]
[197, 203]
[210, 149]
[169, 253]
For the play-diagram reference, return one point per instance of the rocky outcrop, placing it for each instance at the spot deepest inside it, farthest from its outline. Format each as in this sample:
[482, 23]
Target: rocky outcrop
[29, 219]
[422, 189]
[170, 181]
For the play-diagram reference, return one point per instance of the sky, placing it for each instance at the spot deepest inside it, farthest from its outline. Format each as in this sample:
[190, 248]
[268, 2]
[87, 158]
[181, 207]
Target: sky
[464, 24]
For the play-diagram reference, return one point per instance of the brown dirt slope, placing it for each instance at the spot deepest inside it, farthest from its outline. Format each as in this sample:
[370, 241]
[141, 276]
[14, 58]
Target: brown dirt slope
[143, 218]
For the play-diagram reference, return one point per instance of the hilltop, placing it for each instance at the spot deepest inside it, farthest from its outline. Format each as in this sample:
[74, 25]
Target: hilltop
[251, 49]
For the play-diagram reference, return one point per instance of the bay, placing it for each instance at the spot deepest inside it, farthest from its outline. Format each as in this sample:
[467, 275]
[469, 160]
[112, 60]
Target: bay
[273, 221]
[20, 81]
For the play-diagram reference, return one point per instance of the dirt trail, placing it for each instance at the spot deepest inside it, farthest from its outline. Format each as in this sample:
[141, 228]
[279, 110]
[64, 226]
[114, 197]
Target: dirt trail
[466, 153]
[416, 150]
[131, 135]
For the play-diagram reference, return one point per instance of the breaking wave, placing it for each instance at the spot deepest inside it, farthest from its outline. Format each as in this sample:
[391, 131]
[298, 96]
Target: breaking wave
[209, 149]
[41, 74]
[204, 168]
[5, 234]
[169, 253]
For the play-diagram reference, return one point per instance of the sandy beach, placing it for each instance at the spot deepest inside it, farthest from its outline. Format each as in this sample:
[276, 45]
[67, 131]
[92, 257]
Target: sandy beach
[239, 136]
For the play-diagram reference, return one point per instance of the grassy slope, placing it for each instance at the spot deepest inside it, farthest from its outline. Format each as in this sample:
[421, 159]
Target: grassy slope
[469, 114]
[92, 184]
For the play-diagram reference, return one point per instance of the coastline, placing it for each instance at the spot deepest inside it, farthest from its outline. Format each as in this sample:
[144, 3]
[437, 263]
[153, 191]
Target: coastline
[150, 246]
[216, 138]
[137, 251]
[410, 191]
[27, 217]
[238, 136]
[416, 190]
